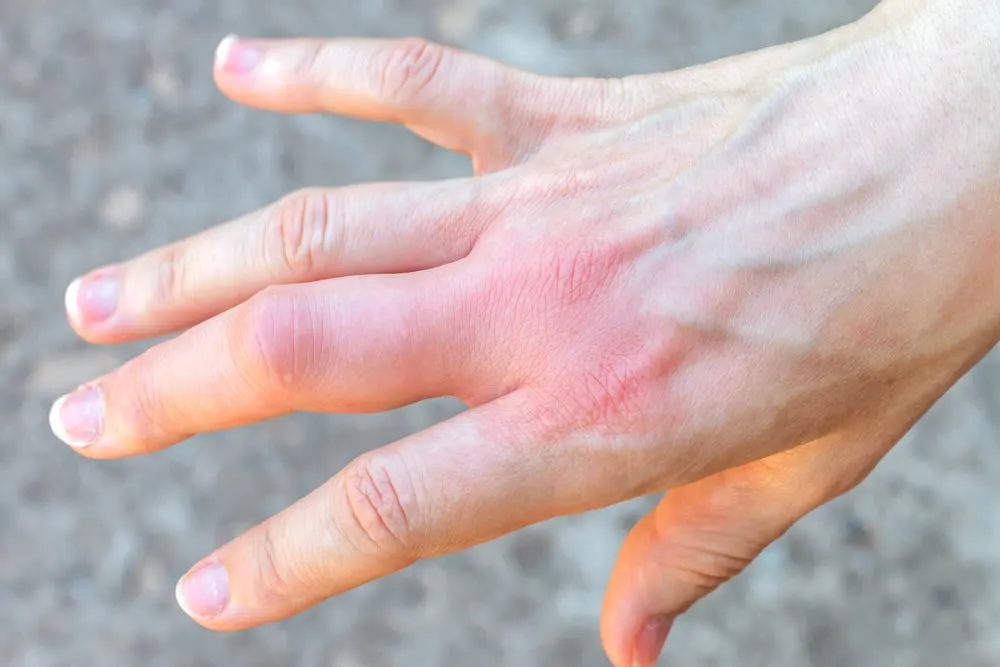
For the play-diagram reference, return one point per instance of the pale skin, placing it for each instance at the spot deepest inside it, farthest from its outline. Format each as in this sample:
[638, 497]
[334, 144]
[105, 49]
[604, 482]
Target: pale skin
[740, 283]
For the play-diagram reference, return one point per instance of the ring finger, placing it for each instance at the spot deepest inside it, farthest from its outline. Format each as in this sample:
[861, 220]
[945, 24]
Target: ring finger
[353, 344]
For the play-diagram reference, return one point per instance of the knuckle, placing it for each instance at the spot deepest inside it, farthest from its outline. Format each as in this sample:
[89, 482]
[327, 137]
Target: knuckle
[735, 519]
[833, 483]
[274, 341]
[145, 415]
[317, 63]
[705, 569]
[271, 580]
[411, 68]
[380, 503]
[301, 230]
[170, 276]
[555, 186]
[598, 102]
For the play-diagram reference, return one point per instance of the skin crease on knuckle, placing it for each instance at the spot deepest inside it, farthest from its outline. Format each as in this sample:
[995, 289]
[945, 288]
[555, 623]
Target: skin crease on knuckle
[143, 416]
[170, 286]
[411, 70]
[303, 232]
[712, 531]
[378, 504]
[271, 582]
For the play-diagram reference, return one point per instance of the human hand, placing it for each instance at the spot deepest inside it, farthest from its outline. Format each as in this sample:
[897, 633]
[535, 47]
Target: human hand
[741, 283]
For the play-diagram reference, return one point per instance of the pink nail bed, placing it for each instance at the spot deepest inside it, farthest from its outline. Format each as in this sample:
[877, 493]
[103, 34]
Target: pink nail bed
[204, 592]
[78, 419]
[236, 57]
[97, 298]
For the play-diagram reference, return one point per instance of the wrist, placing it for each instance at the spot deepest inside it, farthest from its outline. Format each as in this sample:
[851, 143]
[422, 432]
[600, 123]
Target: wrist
[921, 79]
[951, 51]
[971, 8]
[940, 58]
[978, 20]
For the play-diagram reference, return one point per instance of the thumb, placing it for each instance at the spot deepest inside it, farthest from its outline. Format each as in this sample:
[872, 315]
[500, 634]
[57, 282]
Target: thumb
[706, 533]
[457, 100]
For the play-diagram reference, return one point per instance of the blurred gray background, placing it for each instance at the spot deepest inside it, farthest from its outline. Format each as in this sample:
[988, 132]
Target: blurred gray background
[113, 140]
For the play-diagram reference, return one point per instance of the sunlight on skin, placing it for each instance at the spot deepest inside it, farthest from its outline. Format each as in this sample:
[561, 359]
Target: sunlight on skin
[742, 282]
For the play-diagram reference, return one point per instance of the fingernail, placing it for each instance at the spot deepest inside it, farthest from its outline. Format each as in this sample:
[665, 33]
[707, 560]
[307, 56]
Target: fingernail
[78, 418]
[93, 298]
[236, 57]
[204, 592]
[650, 640]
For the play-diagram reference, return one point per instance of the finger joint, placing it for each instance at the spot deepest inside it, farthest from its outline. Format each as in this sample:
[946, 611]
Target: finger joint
[170, 277]
[705, 570]
[380, 501]
[275, 342]
[272, 582]
[145, 416]
[303, 230]
[410, 69]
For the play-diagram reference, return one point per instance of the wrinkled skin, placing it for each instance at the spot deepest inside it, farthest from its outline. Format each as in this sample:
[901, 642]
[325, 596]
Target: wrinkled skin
[740, 283]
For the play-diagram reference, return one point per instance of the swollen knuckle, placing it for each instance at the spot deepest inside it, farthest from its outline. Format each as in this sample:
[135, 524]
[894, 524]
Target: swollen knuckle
[301, 229]
[272, 339]
[380, 501]
[411, 68]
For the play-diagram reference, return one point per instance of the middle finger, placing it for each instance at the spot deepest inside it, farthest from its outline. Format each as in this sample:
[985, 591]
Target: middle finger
[354, 344]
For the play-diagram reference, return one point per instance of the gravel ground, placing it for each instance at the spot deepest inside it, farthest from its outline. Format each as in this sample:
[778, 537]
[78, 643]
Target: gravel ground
[113, 140]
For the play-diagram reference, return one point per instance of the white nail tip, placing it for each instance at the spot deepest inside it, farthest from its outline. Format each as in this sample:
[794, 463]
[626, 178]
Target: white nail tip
[181, 602]
[72, 300]
[59, 429]
[55, 421]
[222, 51]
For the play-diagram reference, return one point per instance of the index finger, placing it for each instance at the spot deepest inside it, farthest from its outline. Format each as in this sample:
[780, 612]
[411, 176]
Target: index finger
[448, 96]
